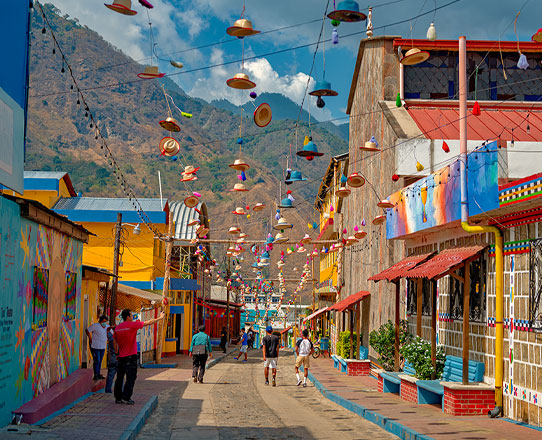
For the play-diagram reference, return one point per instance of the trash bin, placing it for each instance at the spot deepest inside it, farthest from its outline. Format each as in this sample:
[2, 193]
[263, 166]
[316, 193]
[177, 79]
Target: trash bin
[324, 344]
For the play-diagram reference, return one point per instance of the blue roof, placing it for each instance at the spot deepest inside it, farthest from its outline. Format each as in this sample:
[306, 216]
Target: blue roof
[104, 210]
[47, 181]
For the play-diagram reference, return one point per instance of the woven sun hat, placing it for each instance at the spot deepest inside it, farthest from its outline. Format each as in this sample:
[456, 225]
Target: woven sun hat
[355, 180]
[170, 124]
[537, 38]
[289, 251]
[122, 7]
[282, 224]
[280, 238]
[188, 177]
[286, 203]
[240, 81]
[262, 115]
[351, 240]
[189, 169]
[238, 187]
[306, 239]
[234, 230]
[379, 219]
[295, 176]
[360, 234]
[323, 88]
[239, 165]
[309, 151]
[385, 204]
[241, 28]
[258, 207]
[237, 267]
[243, 235]
[194, 222]
[169, 146]
[301, 249]
[150, 72]
[280, 264]
[348, 11]
[239, 211]
[414, 56]
[370, 145]
[240, 241]
[202, 230]
[343, 191]
[191, 201]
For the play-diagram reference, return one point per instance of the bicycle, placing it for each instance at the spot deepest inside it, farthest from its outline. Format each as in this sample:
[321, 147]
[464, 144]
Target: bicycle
[317, 351]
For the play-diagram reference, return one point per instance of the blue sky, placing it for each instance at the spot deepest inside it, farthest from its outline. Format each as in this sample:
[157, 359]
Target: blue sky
[182, 24]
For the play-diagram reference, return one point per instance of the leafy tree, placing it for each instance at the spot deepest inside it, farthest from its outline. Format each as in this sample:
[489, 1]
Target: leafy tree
[383, 342]
[418, 353]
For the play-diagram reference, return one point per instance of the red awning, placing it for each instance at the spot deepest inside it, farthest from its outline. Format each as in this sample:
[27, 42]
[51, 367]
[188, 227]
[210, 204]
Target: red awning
[315, 314]
[445, 262]
[349, 301]
[399, 270]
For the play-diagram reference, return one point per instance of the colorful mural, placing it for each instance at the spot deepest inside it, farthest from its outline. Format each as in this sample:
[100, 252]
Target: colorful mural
[436, 199]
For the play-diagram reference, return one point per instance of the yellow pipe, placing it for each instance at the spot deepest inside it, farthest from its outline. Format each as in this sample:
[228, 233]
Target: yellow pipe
[499, 304]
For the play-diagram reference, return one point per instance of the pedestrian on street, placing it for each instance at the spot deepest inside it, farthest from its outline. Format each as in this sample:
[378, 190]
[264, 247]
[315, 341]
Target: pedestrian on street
[223, 339]
[250, 335]
[97, 338]
[244, 345]
[112, 362]
[200, 349]
[303, 350]
[126, 344]
[270, 348]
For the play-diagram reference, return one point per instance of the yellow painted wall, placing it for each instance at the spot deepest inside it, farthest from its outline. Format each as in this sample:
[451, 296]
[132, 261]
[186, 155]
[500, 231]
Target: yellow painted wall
[47, 198]
[184, 298]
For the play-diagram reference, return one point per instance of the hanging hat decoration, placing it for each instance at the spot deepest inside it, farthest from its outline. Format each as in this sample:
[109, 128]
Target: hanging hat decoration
[262, 115]
[240, 81]
[414, 56]
[356, 180]
[258, 207]
[385, 204]
[295, 176]
[242, 28]
[238, 187]
[323, 88]
[191, 201]
[170, 124]
[150, 72]
[122, 7]
[309, 151]
[239, 211]
[445, 147]
[286, 203]
[343, 191]
[239, 165]
[370, 145]
[379, 219]
[537, 37]
[348, 11]
[169, 146]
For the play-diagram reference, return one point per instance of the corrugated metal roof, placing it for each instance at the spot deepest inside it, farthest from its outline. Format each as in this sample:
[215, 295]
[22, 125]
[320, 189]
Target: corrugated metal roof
[58, 175]
[399, 270]
[132, 291]
[182, 215]
[444, 262]
[343, 304]
[441, 121]
[107, 204]
[315, 314]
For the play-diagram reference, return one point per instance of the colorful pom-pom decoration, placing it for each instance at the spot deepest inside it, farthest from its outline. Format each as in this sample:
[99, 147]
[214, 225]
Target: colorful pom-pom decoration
[335, 23]
[240, 141]
[419, 166]
[476, 109]
[253, 95]
[398, 102]
[243, 176]
[395, 177]
[445, 147]
[315, 225]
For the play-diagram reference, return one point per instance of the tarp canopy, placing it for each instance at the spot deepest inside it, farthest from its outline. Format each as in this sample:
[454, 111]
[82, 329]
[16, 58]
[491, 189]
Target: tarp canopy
[400, 269]
[349, 301]
[315, 314]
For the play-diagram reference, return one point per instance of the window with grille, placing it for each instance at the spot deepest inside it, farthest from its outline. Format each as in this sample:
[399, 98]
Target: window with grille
[40, 295]
[412, 298]
[477, 291]
[535, 285]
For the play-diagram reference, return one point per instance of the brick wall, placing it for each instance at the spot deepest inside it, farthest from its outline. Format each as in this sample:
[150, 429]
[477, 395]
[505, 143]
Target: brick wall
[409, 391]
[468, 402]
[358, 368]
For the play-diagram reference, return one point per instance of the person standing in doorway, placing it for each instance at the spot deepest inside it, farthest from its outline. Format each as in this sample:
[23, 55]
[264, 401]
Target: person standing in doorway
[126, 344]
[223, 339]
[270, 348]
[303, 350]
[97, 337]
[200, 350]
[111, 360]
[250, 336]
[244, 345]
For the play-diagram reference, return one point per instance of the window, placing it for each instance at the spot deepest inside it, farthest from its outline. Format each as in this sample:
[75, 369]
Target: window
[71, 296]
[535, 285]
[477, 291]
[412, 298]
[40, 298]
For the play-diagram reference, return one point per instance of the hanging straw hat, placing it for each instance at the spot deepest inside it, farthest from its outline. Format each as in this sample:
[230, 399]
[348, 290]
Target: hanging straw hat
[282, 224]
[360, 234]
[280, 264]
[194, 222]
[343, 191]
[239, 211]
[258, 207]
[370, 145]
[188, 177]
[356, 180]
[385, 204]
[306, 239]
[323, 88]
[262, 115]
[170, 124]
[537, 37]
[238, 187]
[241, 28]
[241, 81]
[309, 151]
[414, 56]
[191, 201]
[234, 230]
[351, 240]
[189, 169]
[301, 249]
[239, 165]
[348, 11]
[240, 240]
[202, 230]
[122, 7]
[243, 235]
[280, 238]
[169, 146]
[379, 219]
[150, 72]
[286, 203]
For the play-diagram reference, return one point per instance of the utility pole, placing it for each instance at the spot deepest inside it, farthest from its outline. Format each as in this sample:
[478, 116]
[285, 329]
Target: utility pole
[228, 285]
[116, 257]
[313, 324]
[165, 290]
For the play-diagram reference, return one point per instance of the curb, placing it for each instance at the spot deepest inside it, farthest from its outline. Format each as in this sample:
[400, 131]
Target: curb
[217, 359]
[62, 410]
[386, 423]
[133, 429]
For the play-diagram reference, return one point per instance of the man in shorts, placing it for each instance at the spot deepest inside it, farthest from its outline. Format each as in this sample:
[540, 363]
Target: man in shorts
[303, 350]
[270, 348]
[244, 345]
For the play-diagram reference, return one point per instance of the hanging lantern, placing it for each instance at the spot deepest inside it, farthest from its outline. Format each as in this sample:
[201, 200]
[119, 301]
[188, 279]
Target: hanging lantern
[431, 32]
[445, 147]
[522, 62]
[476, 109]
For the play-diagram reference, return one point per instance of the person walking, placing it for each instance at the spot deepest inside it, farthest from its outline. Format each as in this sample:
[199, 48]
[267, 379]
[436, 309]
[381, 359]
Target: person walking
[200, 350]
[223, 339]
[112, 362]
[244, 345]
[250, 336]
[97, 337]
[270, 349]
[126, 345]
[303, 350]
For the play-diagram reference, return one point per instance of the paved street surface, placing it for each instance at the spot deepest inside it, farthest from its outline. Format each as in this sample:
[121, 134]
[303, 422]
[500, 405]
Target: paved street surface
[234, 403]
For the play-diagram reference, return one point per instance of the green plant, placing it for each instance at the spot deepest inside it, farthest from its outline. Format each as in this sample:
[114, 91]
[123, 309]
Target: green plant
[418, 353]
[343, 345]
[382, 340]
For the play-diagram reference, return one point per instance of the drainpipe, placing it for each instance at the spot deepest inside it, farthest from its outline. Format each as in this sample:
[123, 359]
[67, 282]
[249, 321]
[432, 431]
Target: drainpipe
[499, 256]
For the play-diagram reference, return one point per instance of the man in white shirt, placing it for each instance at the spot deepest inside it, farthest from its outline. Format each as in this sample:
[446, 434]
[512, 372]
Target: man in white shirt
[97, 338]
[303, 350]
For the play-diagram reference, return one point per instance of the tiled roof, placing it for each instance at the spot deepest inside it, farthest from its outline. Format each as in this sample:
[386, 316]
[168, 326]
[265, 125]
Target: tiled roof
[399, 270]
[342, 305]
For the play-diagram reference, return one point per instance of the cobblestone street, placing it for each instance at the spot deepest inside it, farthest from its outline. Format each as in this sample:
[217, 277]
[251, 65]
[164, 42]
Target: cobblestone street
[234, 403]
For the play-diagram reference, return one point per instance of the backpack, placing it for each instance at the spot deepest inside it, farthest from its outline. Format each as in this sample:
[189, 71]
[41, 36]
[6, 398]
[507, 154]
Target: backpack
[199, 349]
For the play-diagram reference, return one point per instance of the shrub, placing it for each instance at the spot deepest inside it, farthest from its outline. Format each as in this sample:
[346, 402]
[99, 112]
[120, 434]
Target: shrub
[383, 342]
[343, 345]
[418, 353]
